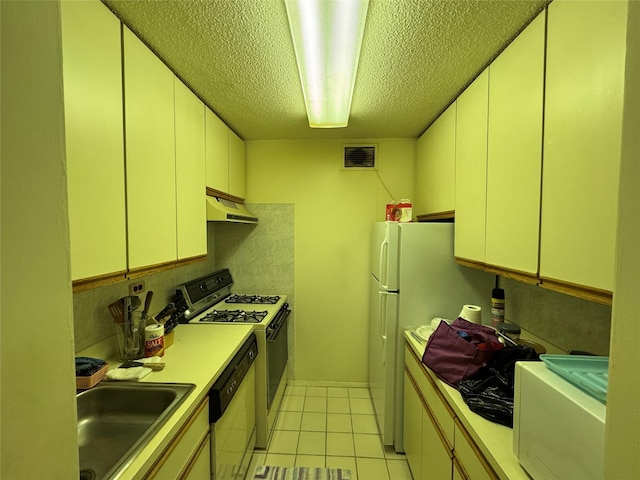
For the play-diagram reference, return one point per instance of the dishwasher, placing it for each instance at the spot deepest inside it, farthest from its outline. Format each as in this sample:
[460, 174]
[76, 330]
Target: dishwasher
[232, 415]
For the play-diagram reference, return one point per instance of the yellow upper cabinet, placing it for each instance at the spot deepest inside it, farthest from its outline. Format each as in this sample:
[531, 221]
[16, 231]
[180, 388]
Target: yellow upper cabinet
[583, 125]
[515, 152]
[471, 170]
[190, 173]
[217, 153]
[236, 165]
[150, 150]
[94, 139]
[436, 166]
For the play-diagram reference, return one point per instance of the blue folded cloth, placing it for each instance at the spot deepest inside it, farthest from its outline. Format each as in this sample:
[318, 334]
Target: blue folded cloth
[87, 366]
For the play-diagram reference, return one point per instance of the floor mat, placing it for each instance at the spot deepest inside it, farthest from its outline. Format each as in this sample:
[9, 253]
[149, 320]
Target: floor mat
[266, 472]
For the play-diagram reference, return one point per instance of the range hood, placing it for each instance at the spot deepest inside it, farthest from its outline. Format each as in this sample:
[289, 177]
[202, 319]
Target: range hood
[223, 210]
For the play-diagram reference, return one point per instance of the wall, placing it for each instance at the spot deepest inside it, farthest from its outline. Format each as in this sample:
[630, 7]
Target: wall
[623, 408]
[92, 321]
[38, 419]
[333, 213]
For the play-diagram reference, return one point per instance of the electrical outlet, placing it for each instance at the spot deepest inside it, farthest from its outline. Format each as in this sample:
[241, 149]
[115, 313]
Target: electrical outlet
[136, 288]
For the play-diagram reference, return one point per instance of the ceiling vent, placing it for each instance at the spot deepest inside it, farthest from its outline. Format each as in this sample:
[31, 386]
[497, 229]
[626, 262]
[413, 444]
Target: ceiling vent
[359, 157]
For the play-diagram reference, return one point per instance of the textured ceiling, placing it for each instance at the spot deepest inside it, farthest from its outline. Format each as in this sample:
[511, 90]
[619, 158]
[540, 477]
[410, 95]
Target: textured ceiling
[237, 55]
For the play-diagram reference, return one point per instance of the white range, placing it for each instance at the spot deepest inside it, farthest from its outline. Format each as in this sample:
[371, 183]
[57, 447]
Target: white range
[209, 300]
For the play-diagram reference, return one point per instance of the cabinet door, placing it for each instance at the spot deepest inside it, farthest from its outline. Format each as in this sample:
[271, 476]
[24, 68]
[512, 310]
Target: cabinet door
[236, 165]
[94, 139]
[422, 199]
[435, 165]
[412, 427]
[471, 169]
[186, 448]
[190, 173]
[200, 467]
[150, 149]
[217, 152]
[583, 126]
[436, 459]
[514, 152]
[470, 460]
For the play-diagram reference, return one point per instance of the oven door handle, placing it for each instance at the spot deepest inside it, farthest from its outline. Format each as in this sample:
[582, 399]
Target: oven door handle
[279, 323]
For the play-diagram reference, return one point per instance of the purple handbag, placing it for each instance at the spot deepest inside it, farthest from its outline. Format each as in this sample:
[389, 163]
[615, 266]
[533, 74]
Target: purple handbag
[454, 358]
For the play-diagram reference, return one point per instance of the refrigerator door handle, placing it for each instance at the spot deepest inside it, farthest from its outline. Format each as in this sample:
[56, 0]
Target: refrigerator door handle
[382, 328]
[384, 256]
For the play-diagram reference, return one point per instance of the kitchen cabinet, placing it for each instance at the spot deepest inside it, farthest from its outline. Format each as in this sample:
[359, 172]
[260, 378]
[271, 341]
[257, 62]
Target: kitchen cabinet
[436, 457]
[150, 152]
[471, 170]
[470, 461]
[514, 153]
[217, 152]
[435, 168]
[236, 165]
[437, 445]
[225, 162]
[586, 45]
[191, 206]
[412, 427]
[92, 75]
[189, 452]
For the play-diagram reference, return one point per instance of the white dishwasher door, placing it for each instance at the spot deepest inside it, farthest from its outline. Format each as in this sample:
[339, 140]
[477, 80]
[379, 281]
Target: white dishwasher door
[233, 435]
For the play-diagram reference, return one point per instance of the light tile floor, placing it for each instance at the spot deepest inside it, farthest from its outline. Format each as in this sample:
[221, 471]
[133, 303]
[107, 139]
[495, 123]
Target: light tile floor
[332, 427]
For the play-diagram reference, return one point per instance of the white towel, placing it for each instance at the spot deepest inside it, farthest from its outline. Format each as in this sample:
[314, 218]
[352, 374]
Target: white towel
[132, 374]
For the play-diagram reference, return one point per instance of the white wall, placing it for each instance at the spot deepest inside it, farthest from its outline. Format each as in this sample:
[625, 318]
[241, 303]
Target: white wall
[334, 210]
[622, 451]
[38, 417]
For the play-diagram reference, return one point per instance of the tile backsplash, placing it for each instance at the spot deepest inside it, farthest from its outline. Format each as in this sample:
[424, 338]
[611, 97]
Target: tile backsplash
[92, 321]
[567, 322]
[261, 257]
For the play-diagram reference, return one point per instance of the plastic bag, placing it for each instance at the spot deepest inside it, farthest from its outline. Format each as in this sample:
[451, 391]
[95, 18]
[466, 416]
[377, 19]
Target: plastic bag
[489, 393]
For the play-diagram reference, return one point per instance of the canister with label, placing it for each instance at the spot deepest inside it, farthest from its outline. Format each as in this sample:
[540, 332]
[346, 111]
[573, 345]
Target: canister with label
[154, 340]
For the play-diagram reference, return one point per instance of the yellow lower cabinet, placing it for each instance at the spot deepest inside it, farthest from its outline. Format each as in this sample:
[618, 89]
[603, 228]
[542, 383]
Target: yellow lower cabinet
[436, 457]
[189, 451]
[412, 427]
[200, 468]
[457, 472]
[471, 463]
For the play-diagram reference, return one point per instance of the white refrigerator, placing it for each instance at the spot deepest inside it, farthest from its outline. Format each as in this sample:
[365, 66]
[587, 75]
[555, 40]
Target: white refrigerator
[413, 279]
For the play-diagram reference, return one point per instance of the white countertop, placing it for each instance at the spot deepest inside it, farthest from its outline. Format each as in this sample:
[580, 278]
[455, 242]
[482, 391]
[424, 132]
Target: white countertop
[198, 355]
[493, 440]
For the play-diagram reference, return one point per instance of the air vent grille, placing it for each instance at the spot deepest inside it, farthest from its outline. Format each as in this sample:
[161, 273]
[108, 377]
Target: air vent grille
[359, 156]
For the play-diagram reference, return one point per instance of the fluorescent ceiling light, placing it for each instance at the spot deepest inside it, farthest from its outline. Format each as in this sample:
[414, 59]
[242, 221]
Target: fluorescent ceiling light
[327, 35]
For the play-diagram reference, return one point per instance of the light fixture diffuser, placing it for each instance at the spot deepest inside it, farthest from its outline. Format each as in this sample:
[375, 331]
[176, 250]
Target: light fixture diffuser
[327, 37]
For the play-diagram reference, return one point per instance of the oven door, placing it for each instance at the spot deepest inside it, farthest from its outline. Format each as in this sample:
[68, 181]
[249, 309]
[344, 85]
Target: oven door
[277, 354]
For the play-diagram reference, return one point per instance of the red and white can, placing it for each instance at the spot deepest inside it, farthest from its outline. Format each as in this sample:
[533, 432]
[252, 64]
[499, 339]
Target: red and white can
[154, 340]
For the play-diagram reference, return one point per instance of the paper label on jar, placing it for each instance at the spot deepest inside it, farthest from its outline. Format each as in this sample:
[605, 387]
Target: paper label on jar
[154, 341]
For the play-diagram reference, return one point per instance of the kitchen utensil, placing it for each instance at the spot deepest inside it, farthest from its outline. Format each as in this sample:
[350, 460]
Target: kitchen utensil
[153, 366]
[117, 310]
[147, 304]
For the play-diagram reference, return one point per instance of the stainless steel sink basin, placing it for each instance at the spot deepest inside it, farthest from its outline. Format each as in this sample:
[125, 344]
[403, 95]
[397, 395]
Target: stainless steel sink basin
[116, 420]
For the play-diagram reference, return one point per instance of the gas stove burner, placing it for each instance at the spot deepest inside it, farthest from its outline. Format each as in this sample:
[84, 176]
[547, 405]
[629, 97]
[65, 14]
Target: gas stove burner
[239, 316]
[254, 299]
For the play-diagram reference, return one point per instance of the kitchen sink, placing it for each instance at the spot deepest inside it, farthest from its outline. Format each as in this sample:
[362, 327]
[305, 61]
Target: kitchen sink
[117, 420]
